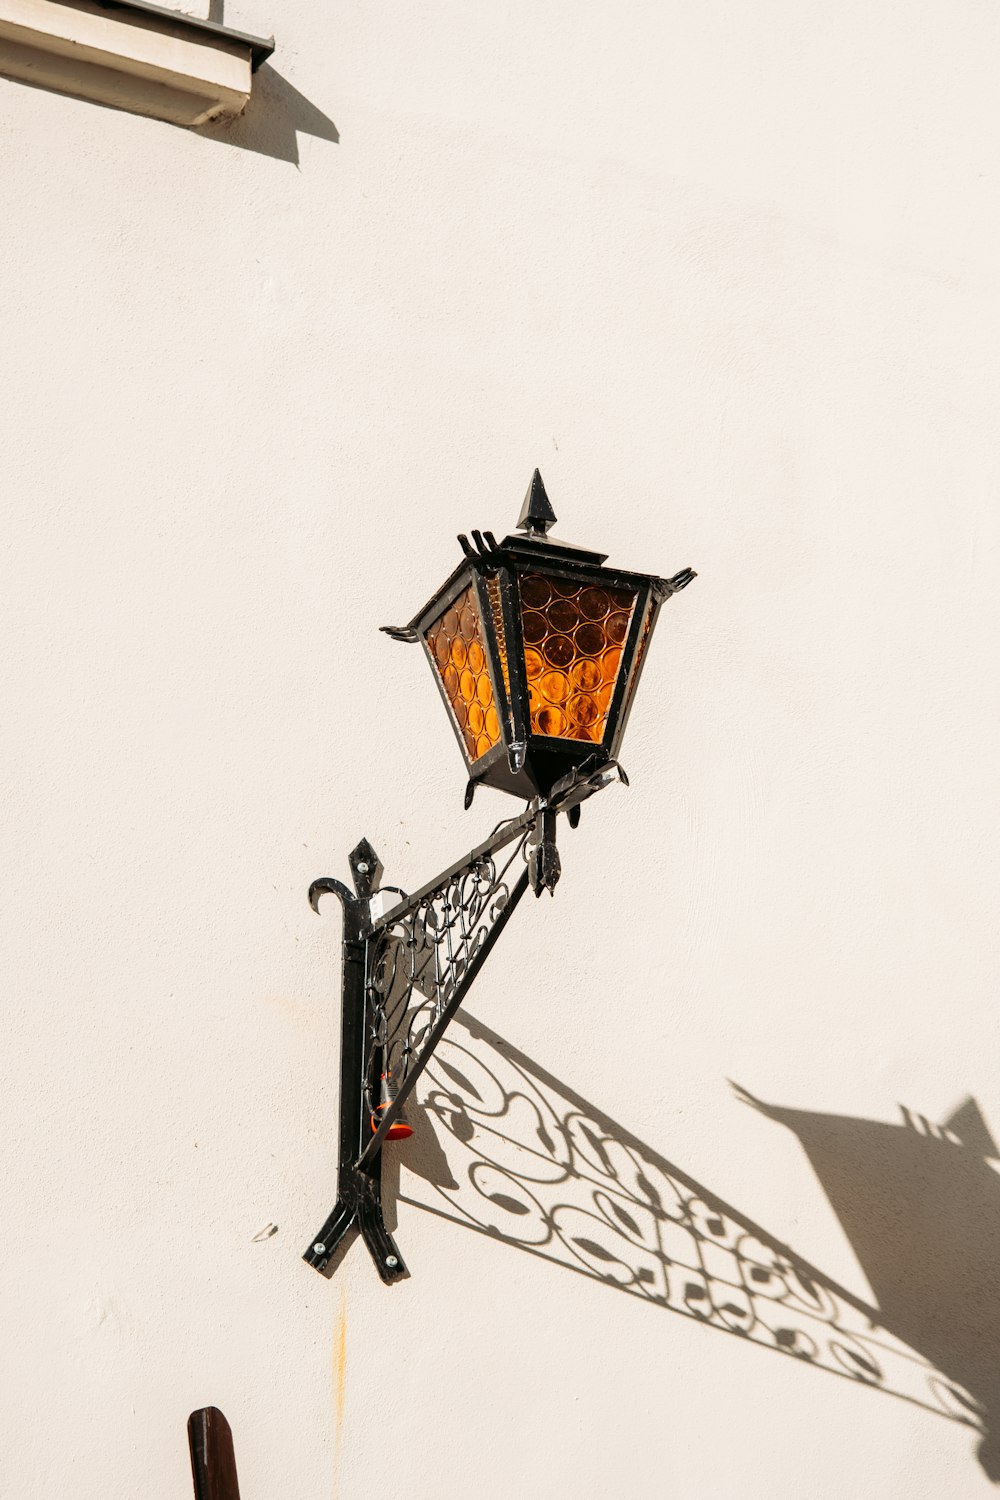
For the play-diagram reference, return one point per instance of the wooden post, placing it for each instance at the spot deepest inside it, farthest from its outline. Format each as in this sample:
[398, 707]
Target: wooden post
[213, 1462]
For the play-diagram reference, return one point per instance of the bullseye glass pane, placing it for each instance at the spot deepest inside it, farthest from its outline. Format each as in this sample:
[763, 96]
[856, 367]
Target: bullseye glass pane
[573, 635]
[456, 645]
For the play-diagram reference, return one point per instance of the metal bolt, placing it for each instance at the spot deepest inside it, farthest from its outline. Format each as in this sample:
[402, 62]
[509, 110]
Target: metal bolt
[319, 1249]
[362, 867]
[391, 1262]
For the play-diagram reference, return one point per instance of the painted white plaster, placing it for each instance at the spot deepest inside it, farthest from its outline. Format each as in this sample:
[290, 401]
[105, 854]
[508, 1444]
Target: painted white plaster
[728, 275]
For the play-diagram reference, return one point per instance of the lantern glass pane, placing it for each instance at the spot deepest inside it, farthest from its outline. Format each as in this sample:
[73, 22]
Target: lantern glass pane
[455, 642]
[573, 638]
[496, 610]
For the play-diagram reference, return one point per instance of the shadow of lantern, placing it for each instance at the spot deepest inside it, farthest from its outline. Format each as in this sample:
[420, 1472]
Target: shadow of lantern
[920, 1205]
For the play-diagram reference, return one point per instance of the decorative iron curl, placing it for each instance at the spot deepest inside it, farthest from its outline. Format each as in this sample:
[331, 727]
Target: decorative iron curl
[418, 956]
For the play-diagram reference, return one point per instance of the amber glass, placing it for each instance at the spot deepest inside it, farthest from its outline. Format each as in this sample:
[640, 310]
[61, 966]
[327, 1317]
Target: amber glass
[456, 644]
[496, 611]
[573, 639]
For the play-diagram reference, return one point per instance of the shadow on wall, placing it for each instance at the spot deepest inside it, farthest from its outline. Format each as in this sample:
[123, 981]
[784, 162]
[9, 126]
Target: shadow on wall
[269, 125]
[921, 1208]
[272, 120]
[516, 1155]
[274, 115]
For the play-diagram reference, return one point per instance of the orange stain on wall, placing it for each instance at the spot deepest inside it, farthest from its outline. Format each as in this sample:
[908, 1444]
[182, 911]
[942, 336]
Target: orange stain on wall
[339, 1381]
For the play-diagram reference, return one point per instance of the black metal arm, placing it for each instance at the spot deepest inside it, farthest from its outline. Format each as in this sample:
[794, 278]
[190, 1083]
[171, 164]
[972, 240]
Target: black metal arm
[405, 973]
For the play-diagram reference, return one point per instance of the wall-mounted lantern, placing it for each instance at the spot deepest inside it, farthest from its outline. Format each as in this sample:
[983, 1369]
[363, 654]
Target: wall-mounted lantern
[537, 649]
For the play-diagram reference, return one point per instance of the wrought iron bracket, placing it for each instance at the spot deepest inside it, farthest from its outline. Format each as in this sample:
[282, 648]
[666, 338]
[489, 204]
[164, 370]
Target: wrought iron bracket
[404, 974]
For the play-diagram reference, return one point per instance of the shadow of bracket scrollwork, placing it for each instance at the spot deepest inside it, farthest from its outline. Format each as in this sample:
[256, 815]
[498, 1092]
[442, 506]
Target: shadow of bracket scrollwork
[510, 1152]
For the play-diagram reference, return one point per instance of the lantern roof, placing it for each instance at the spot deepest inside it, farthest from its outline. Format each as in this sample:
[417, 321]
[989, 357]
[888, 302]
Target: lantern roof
[533, 546]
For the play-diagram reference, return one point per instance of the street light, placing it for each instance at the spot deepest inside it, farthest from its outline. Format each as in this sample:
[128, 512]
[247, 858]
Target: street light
[537, 650]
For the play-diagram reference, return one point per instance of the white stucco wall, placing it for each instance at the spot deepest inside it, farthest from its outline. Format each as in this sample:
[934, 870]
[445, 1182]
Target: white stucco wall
[728, 275]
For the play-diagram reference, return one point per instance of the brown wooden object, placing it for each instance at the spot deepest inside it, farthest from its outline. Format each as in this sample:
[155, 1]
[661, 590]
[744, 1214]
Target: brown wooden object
[213, 1462]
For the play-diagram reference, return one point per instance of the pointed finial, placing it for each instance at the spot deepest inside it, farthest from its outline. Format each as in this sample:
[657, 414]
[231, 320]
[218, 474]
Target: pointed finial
[537, 514]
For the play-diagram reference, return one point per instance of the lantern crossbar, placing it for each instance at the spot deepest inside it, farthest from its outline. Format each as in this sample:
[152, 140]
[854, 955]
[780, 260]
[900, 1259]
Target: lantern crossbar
[504, 833]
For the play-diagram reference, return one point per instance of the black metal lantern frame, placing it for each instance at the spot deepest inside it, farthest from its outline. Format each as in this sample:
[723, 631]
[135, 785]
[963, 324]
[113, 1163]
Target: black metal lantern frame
[537, 649]
[529, 755]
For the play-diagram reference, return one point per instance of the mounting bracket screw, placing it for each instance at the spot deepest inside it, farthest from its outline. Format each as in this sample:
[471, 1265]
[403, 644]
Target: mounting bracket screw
[391, 1262]
[319, 1249]
[362, 867]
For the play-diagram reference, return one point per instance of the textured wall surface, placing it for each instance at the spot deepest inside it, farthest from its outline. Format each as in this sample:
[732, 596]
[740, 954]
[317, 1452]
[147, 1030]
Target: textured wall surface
[728, 275]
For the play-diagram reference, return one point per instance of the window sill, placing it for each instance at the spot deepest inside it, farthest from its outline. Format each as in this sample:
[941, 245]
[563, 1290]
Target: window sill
[132, 55]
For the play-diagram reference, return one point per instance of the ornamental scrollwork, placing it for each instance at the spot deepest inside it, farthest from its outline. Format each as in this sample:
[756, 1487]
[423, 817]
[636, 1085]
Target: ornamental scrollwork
[422, 952]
